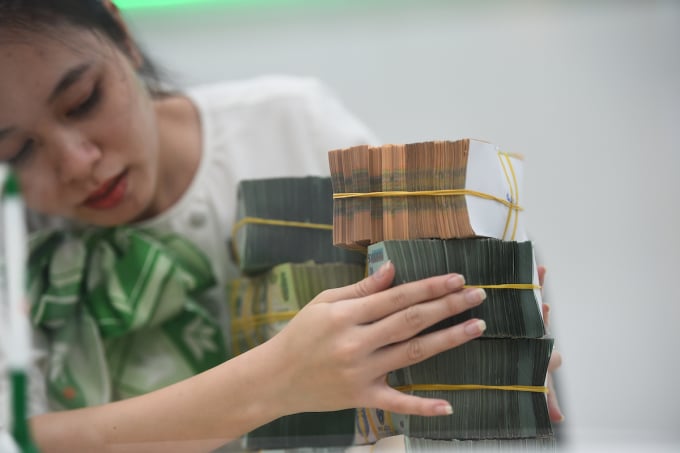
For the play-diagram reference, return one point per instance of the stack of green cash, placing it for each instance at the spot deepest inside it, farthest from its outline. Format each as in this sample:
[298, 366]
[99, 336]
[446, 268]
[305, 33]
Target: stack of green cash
[513, 351]
[407, 444]
[495, 386]
[439, 189]
[306, 430]
[454, 207]
[262, 305]
[283, 220]
[505, 269]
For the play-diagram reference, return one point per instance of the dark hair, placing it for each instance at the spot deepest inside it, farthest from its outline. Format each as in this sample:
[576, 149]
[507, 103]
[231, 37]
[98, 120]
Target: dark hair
[93, 15]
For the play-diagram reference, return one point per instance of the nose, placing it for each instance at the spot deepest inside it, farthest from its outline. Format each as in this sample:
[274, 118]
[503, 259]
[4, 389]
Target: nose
[74, 156]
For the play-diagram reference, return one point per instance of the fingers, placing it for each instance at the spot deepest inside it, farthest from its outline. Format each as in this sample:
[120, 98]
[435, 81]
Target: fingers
[419, 348]
[555, 361]
[554, 411]
[377, 282]
[393, 400]
[545, 308]
[406, 323]
[401, 297]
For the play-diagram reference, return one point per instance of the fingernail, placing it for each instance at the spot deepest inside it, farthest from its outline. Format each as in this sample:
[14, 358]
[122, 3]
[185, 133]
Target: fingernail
[473, 296]
[382, 270]
[455, 282]
[557, 418]
[475, 327]
[444, 409]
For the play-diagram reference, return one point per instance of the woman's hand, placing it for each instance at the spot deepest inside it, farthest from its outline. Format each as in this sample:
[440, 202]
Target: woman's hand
[339, 348]
[555, 360]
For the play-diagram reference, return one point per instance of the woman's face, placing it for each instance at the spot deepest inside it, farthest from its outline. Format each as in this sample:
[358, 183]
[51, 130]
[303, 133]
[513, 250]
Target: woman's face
[78, 126]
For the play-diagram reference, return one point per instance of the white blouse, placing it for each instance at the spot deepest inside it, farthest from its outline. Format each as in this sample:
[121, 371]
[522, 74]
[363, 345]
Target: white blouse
[270, 126]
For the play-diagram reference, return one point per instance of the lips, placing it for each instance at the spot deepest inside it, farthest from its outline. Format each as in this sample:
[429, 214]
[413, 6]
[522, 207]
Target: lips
[109, 194]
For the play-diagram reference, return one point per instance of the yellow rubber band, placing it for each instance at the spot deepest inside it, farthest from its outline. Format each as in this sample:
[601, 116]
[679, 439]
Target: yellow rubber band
[506, 286]
[260, 221]
[514, 191]
[264, 318]
[517, 156]
[373, 429]
[514, 180]
[427, 193]
[287, 223]
[455, 387]
[512, 196]
[360, 426]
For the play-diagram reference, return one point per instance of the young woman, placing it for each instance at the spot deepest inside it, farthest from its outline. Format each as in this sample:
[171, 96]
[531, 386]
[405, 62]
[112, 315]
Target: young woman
[95, 140]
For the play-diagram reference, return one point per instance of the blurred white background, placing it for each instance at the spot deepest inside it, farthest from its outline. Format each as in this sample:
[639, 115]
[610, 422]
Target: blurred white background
[588, 91]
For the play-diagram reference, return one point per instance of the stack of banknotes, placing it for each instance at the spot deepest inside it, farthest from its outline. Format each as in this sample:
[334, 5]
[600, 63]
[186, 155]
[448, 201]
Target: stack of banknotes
[281, 220]
[505, 269]
[439, 189]
[431, 208]
[282, 241]
[441, 207]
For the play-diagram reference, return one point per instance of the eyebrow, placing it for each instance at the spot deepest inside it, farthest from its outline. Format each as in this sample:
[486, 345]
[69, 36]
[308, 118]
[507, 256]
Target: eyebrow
[69, 78]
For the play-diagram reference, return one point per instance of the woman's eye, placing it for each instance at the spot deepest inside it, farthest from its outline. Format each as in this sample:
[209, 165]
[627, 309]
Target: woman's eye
[87, 105]
[23, 154]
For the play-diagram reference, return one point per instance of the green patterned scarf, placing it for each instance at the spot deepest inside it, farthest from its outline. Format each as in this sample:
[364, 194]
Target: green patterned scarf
[120, 308]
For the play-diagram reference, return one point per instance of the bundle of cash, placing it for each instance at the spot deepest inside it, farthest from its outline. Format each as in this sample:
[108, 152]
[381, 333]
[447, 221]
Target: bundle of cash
[282, 220]
[405, 444]
[439, 189]
[441, 207]
[505, 269]
[260, 307]
[306, 430]
[495, 386]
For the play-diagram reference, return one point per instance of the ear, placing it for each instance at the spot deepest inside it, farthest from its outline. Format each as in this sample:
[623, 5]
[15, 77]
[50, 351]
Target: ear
[132, 50]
